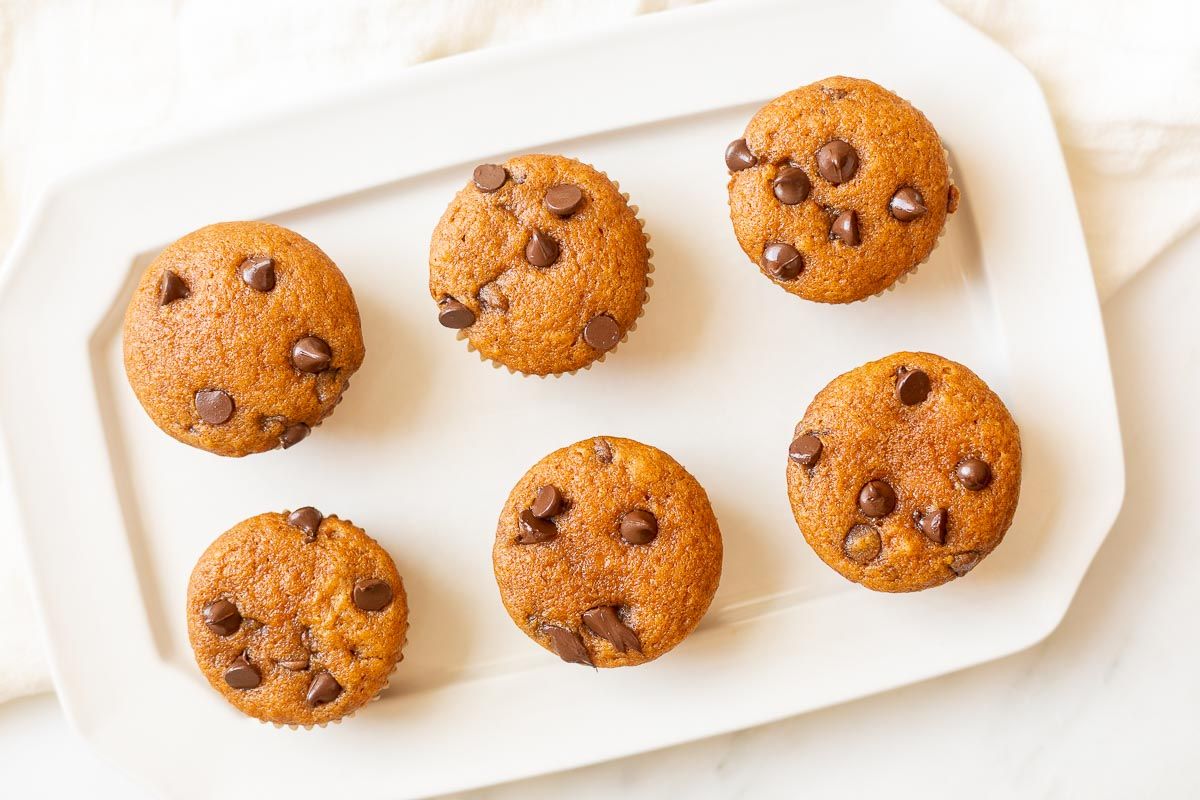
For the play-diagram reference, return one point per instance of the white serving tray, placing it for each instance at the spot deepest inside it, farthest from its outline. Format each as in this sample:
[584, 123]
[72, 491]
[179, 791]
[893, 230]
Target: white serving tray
[429, 441]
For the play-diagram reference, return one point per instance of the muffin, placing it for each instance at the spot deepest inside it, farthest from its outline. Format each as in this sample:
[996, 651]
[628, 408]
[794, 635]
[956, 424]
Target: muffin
[607, 553]
[241, 337]
[540, 263]
[838, 189]
[296, 619]
[905, 472]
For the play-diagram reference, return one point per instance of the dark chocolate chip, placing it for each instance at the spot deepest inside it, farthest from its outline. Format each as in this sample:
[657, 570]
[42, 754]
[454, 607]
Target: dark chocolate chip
[534, 530]
[567, 645]
[837, 161]
[241, 674]
[933, 524]
[453, 314]
[259, 273]
[603, 450]
[294, 434]
[564, 199]
[323, 689]
[294, 664]
[222, 617]
[791, 186]
[805, 450]
[862, 544]
[907, 204]
[877, 499]
[638, 526]
[214, 406]
[171, 288]
[372, 594]
[604, 622]
[845, 227]
[311, 354]
[912, 386]
[489, 177]
[974, 473]
[602, 332]
[738, 156]
[963, 563]
[307, 519]
[782, 261]
[541, 251]
[548, 503]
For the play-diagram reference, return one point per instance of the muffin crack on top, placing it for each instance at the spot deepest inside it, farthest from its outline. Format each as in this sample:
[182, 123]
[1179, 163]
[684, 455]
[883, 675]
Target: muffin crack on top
[540, 263]
[838, 189]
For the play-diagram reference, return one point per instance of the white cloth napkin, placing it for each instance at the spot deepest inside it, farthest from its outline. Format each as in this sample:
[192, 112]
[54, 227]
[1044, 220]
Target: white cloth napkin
[80, 79]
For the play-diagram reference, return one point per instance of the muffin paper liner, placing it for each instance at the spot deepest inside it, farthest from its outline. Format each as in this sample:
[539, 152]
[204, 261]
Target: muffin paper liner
[462, 334]
[904, 276]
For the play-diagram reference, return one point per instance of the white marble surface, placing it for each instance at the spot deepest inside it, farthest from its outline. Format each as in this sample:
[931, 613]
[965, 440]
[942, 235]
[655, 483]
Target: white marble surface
[1105, 707]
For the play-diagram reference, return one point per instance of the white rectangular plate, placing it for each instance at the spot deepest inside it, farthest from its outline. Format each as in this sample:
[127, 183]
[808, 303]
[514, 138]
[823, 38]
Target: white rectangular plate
[430, 440]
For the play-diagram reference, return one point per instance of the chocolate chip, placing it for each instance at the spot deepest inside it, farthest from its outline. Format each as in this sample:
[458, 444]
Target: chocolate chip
[862, 544]
[782, 261]
[907, 204]
[259, 273]
[602, 332]
[738, 156]
[222, 617]
[605, 623]
[241, 674]
[791, 186]
[837, 162]
[548, 503]
[603, 450]
[805, 450]
[372, 594]
[541, 251]
[564, 199]
[323, 689]
[214, 406]
[912, 386]
[952, 198]
[294, 434]
[568, 645]
[845, 227]
[489, 177]
[963, 563]
[307, 519]
[294, 664]
[534, 530]
[933, 524]
[974, 473]
[311, 354]
[453, 314]
[877, 499]
[171, 288]
[638, 526]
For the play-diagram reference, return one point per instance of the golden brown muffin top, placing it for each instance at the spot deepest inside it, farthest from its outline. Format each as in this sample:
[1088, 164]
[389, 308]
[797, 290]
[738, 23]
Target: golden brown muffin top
[822, 189]
[905, 472]
[296, 619]
[541, 263]
[607, 552]
[241, 337]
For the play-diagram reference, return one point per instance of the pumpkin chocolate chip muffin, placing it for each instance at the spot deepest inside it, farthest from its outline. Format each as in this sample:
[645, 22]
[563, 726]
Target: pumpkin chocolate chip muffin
[838, 189]
[905, 472]
[607, 553]
[296, 619]
[540, 263]
[241, 337]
